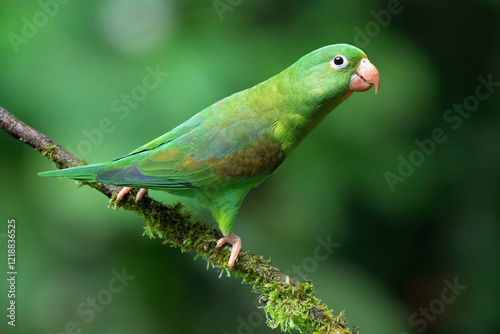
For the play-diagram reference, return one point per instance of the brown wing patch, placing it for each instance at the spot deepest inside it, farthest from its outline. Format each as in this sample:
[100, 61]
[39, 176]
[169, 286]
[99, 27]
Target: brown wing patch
[159, 162]
[167, 155]
[254, 160]
[189, 163]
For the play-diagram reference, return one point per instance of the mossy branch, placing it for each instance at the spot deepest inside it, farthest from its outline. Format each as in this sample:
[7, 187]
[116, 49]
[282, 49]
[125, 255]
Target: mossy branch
[288, 304]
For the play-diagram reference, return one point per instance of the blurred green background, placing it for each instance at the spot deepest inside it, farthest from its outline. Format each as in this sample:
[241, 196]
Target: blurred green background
[416, 229]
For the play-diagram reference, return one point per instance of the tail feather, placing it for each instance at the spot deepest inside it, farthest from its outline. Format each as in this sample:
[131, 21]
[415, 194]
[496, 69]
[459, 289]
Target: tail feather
[81, 173]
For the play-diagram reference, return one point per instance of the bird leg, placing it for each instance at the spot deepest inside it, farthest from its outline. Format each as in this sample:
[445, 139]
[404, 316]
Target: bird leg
[125, 191]
[233, 240]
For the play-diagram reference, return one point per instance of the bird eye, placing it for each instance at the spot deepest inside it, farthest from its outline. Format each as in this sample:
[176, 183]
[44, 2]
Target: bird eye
[339, 63]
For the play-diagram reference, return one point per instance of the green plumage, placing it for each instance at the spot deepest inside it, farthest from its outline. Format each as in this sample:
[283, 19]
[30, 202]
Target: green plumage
[219, 154]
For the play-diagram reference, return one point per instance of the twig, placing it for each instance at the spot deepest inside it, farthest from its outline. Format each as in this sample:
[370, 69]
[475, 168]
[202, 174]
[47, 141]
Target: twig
[288, 304]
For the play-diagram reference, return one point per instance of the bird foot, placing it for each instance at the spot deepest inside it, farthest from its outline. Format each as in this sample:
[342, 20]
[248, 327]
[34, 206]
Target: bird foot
[125, 190]
[233, 240]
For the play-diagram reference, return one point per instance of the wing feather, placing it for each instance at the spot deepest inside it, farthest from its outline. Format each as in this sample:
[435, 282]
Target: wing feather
[212, 147]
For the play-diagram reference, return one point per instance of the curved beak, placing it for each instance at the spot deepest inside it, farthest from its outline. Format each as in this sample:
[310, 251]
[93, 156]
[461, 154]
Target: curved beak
[366, 77]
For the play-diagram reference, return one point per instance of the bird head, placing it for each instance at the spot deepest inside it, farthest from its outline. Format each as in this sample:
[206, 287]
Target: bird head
[334, 72]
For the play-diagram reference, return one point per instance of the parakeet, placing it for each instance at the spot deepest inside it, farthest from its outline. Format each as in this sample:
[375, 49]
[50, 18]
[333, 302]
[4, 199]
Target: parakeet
[230, 147]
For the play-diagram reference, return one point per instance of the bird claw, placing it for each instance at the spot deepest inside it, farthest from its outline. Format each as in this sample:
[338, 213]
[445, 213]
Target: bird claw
[235, 242]
[140, 193]
[125, 190]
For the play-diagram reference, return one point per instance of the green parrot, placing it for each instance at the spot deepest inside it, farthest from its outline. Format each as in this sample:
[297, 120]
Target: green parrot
[225, 150]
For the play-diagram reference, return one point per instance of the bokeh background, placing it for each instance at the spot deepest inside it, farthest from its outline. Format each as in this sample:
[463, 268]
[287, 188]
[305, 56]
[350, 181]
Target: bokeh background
[416, 226]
